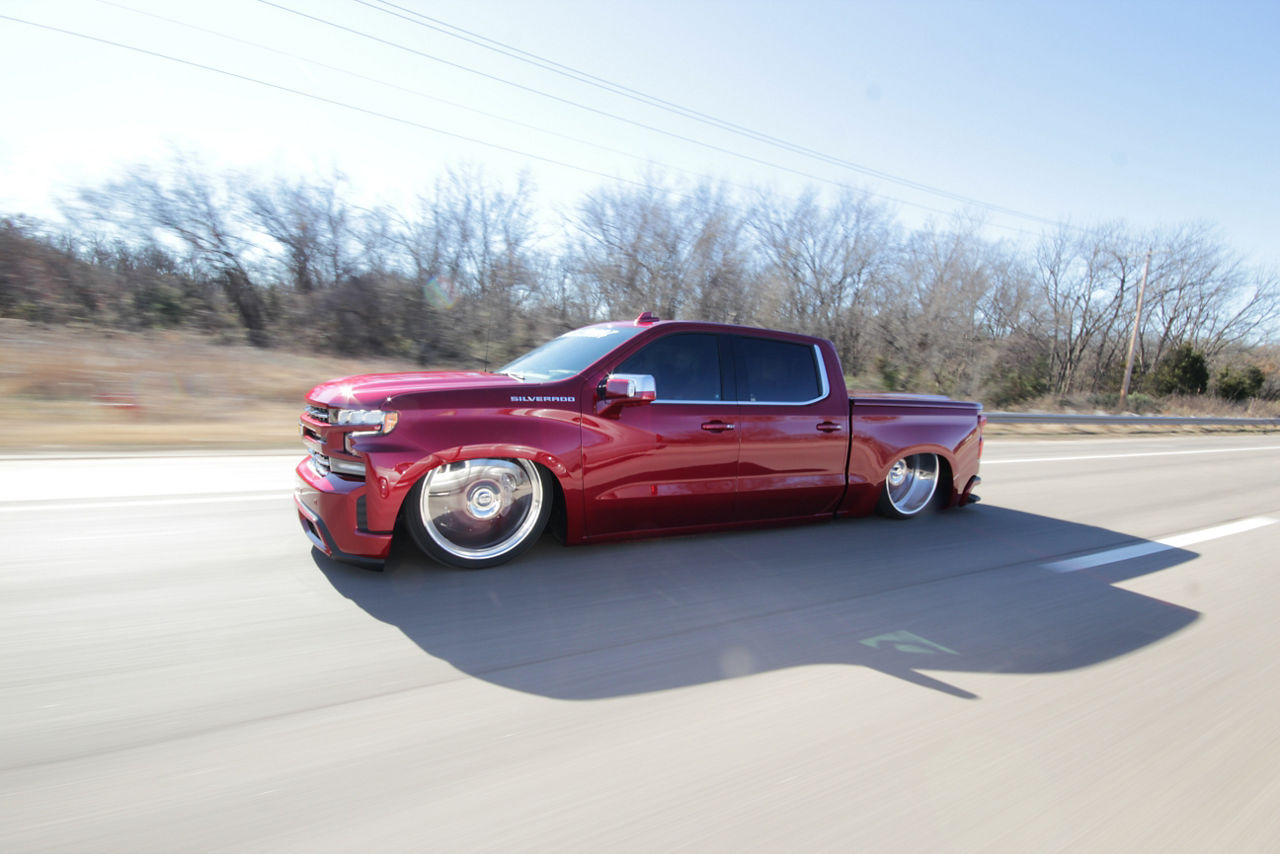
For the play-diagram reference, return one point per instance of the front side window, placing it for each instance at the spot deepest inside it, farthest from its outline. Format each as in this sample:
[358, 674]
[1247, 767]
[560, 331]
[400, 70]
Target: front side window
[684, 367]
[771, 371]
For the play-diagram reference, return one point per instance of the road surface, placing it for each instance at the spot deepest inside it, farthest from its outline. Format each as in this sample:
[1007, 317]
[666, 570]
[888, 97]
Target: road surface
[1085, 661]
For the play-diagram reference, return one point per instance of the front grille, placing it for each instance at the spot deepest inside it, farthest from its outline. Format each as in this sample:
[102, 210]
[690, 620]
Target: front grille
[320, 461]
[326, 465]
[319, 413]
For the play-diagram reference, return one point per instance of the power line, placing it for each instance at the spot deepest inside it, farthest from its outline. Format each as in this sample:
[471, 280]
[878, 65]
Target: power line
[323, 99]
[438, 25]
[421, 94]
[396, 86]
[633, 122]
[441, 131]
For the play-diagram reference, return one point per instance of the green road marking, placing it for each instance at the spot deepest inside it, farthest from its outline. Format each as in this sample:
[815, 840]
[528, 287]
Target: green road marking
[908, 642]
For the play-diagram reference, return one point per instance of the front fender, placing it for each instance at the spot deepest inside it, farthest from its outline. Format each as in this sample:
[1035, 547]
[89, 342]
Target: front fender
[396, 462]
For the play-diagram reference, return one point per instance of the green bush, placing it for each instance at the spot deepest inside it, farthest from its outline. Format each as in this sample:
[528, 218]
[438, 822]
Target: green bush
[1136, 402]
[1239, 384]
[890, 375]
[1142, 404]
[1020, 373]
[1104, 399]
[1184, 370]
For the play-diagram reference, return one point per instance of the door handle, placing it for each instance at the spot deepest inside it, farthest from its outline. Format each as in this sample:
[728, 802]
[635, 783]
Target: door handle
[716, 426]
[829, 427]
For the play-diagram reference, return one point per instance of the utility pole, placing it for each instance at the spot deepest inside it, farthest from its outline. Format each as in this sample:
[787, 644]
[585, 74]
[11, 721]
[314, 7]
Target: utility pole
[1133, 336]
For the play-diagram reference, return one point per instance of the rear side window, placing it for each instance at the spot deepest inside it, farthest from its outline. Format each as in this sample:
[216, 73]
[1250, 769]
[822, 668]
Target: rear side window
[771, 371]
[684, 367]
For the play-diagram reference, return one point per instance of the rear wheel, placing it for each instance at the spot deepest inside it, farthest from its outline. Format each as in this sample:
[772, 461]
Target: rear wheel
[910, 486]
[478, 513]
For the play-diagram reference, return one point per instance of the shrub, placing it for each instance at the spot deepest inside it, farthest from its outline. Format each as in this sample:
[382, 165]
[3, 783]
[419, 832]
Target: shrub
[1239, 384]
[1184, 370]
[1104, 399]
[1142, 404]
[1020, 373]
[1137, 402]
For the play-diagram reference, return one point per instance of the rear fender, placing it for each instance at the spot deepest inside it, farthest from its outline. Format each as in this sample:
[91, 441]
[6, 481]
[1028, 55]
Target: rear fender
[880, 439]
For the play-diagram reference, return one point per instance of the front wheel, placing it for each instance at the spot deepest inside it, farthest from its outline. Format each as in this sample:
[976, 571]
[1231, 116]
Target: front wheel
[909, 487]
[479, 513]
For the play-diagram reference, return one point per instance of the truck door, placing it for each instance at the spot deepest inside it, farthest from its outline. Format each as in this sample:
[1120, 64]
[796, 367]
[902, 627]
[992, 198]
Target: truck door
[793, 430]
[671, 463]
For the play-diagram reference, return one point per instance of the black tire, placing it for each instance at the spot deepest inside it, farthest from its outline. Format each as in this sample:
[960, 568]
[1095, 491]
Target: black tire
[910, 486]
[479, 513]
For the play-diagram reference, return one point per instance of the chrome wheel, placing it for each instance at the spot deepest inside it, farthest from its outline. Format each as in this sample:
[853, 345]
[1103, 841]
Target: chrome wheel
[479, 513]
[910, 486]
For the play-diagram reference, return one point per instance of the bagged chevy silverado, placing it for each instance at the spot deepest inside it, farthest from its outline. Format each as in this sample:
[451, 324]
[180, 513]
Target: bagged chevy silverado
[621, 430]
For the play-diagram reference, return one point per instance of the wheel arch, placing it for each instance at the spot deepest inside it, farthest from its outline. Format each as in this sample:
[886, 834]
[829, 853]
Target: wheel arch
[947, 494]
[561, 474]
[945, 455]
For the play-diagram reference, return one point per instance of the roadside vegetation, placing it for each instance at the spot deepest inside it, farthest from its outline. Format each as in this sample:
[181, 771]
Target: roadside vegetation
[176, 262]
[79, 387]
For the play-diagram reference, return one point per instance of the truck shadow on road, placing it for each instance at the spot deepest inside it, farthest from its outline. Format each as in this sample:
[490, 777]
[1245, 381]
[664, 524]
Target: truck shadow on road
[962, 592]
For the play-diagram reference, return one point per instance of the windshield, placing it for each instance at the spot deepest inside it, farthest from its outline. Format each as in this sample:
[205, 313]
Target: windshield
[569, 354]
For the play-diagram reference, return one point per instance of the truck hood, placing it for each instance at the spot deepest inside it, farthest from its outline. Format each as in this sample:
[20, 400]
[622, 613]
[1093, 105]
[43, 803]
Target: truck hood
[370, 390]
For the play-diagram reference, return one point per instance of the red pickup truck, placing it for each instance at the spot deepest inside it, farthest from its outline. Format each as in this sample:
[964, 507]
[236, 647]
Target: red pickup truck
[621, 430]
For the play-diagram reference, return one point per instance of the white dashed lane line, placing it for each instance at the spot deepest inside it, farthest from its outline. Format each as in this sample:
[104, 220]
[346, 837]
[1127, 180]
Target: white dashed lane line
[1177, 541]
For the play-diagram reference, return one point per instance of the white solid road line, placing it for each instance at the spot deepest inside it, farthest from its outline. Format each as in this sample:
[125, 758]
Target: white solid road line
[167, 501]
[1071, 459]
[1177, 541]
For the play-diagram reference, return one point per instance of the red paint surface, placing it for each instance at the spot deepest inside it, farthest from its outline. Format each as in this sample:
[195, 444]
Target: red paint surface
[631, 469]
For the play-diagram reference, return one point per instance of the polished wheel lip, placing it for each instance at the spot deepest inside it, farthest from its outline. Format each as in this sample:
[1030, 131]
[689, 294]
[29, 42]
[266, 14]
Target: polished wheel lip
[485, 499]
[912, 482]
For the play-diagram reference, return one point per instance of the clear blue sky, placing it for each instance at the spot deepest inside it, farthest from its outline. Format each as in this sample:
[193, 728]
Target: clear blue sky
[1155, 113]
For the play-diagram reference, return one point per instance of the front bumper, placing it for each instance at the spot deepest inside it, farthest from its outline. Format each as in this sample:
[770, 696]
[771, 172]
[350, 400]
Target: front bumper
[330, 509]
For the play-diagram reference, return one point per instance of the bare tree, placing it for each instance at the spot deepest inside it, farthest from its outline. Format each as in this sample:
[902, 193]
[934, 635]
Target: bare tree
[932, 328]
[187, 209]
[821, 261]
[468, 278]
[1198, 293]
[312, 224]
[1201, 293]
[473, 248]
[1085, 279]
[629, 250]
[714, 261]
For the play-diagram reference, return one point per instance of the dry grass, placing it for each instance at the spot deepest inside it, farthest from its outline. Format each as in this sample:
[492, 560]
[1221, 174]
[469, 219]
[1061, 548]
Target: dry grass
[86, 388]
[1204, 406]
[1186, 406]
[1048, 431]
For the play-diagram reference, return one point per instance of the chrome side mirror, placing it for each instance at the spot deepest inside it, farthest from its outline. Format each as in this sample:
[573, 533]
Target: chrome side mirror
[634, 388]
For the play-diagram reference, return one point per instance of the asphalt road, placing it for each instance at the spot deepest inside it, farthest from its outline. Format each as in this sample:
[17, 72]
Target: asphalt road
[1086, 661]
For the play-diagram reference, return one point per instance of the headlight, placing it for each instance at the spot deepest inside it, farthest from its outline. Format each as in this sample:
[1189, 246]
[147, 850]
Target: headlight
[383, 422]
[376, 422]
